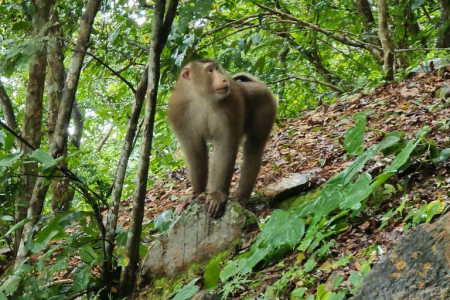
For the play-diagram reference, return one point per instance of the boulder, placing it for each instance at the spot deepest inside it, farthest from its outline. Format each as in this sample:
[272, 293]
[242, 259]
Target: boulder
[417, 266]
[293, 184]
[194, 237]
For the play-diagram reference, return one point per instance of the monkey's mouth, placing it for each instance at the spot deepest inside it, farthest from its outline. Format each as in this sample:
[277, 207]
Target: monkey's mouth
[223, 90]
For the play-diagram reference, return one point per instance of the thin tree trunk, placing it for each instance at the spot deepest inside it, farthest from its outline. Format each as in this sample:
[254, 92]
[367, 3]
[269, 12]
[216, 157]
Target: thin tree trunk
[363, 9]
[386, 40]
[8, 111]
[443, 32]
[59, 140]
[32, 116]
[128, 276]
[61, 192]
[105, 138]
[128, 143]
[78, 124]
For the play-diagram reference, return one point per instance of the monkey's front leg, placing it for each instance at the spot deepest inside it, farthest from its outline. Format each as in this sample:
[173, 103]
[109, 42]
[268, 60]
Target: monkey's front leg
[196, 155]
[222, 165]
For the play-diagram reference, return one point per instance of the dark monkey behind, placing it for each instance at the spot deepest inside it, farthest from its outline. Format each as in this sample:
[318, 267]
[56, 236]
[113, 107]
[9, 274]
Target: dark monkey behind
[209, 105]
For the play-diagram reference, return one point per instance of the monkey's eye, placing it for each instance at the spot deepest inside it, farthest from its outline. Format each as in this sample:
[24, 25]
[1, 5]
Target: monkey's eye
[210, 70]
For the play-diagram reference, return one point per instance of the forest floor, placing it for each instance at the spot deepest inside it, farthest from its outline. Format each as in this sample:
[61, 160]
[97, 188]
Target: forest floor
[315, 141]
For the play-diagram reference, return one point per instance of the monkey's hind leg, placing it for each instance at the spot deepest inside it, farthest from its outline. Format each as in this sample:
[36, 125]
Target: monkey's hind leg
[196, 155]
[252, 156]
[222, 165]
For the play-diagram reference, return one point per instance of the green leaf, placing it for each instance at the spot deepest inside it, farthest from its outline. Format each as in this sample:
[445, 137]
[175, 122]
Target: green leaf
[3, 297]
[52, 231]
[87, 254]
[9, 159]
[81, 279]
[283, 230]
[10, 285]
[18, 225]
[212, 273]
[444, 155]
[298, 293]
[44, 158]
[357, 192]
[187, 291]
[402, 157]
[354, 137]
[21, 25]
[164, 220]
[233, 268]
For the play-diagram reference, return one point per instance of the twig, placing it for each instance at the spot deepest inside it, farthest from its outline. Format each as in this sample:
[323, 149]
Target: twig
[375, 50]
[85, 188]
[110, 69]
[421, 49]
[300, 77]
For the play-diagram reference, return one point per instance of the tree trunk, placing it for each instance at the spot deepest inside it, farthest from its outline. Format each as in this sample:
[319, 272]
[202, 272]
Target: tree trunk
[159, 37]
[59, 139]
[8, 111]
[364, 10]
[61, 194]
[128, 144]
[386, 40]
[443, 32]
[32, 116]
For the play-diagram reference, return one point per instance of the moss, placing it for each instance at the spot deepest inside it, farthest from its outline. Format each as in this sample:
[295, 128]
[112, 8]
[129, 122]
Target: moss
[294, 202]
[161, 288]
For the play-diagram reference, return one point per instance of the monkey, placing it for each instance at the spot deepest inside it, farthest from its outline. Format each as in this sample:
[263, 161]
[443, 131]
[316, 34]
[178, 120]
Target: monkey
[208, 105]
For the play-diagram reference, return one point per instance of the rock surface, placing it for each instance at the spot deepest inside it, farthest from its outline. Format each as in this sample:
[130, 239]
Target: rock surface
[417, 266]
[288, 186]
[194, 237]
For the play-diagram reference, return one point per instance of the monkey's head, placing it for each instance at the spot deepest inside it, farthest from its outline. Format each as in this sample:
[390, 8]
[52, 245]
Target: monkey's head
[208, 78]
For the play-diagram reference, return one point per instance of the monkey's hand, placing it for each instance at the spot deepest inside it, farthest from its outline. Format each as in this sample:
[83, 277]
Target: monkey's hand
[181, 207]
[215, 203]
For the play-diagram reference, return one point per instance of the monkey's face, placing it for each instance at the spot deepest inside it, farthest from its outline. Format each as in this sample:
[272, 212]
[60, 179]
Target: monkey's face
[207, 79]
[217, 82]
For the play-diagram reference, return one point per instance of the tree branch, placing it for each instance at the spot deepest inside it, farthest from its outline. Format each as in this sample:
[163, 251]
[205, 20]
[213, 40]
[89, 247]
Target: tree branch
[8, 110]
[421, 49]
[376, 51]
[110, 69]
[308, 79]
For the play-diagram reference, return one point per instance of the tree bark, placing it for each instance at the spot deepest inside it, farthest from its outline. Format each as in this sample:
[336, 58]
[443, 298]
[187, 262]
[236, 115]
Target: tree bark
[32, 116]
[364, 10]
[386, 40]
[8, 111]
[159, 37]
[127, 147]
[105, 138]
[61, 191]
[443, 32]
[59, 139]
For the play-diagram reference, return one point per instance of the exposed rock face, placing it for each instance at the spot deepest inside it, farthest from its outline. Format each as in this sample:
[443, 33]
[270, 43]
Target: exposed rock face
[194, 238]
[291, 185]
[416, 267]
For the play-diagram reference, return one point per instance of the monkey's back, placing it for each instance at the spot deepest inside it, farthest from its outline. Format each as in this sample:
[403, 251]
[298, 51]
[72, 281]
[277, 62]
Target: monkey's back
[260, 108]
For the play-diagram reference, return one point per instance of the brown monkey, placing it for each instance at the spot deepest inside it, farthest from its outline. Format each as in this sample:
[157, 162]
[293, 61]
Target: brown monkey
[209, 105]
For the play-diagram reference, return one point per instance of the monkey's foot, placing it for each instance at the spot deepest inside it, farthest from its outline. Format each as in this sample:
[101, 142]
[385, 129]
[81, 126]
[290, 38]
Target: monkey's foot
[181, 207]
[215, 203]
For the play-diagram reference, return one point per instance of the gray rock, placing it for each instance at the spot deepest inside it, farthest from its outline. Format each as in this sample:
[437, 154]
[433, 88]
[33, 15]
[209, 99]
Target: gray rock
[194, 237]
[416, 267]
[294, 184]
[443, 92]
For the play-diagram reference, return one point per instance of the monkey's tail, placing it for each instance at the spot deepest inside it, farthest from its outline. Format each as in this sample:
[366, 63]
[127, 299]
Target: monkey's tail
[245, 77]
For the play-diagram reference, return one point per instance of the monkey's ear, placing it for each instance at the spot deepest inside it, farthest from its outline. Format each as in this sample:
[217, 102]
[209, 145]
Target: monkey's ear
[186, 73]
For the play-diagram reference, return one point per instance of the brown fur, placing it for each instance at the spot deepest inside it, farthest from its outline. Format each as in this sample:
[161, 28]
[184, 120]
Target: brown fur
[200, 111]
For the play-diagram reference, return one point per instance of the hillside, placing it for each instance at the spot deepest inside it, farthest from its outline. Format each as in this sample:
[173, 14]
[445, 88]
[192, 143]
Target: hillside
[315, 141]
